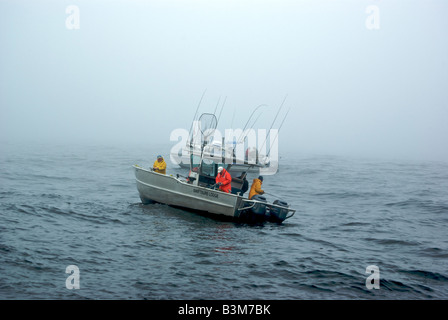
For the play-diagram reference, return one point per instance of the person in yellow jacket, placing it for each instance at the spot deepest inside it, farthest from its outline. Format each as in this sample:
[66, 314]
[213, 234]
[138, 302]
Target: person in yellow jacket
[256, 187]
[159, 165]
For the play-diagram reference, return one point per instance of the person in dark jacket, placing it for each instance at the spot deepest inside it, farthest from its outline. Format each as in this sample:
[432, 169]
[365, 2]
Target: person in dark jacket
[245, 185]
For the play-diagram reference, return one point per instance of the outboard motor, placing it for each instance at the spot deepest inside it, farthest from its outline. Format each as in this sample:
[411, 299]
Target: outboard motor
[279, 214]
[259, 209]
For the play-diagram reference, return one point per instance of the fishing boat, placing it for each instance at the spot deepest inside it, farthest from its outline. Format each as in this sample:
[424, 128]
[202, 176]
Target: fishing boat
[198, 191]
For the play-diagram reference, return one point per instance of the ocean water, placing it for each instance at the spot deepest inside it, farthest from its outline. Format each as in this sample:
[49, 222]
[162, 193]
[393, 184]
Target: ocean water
[63, 205]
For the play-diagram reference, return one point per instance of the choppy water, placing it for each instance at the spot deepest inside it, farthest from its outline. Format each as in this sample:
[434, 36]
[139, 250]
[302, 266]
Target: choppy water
[78, 205]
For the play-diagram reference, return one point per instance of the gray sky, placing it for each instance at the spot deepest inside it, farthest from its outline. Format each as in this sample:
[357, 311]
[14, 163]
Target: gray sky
[135, 70]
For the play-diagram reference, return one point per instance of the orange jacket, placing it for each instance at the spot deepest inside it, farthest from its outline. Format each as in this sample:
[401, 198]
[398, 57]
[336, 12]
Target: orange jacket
[225, 178]
[255, 188]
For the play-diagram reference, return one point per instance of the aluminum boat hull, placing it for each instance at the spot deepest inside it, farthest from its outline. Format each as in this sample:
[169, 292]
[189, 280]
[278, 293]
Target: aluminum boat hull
[172, 191]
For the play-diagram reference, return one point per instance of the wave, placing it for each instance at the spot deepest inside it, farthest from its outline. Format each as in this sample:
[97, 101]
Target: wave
[355, 224]
[411, 289]
[330, 274]
[394, 285]
[426, 275]
[22, 208]
[98, 214]
[349, 194]
[325, 243]
[396, 242]
[428, 205]
[43, 177]
[435, 253]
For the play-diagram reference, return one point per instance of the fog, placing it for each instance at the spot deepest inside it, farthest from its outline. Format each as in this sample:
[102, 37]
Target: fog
[364, 78]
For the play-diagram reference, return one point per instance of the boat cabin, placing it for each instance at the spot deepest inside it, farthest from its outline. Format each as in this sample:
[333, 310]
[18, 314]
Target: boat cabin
[204, 171]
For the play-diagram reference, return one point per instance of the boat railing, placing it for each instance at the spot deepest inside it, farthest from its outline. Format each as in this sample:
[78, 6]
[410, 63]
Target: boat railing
[269, 205]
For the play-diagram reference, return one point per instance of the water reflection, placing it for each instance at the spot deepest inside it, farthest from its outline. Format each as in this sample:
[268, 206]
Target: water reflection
[226, 242]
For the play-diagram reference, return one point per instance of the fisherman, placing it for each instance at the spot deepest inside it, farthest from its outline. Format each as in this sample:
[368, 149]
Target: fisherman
[223, 180]
[160, 165]
[245, 185]
[255, 189]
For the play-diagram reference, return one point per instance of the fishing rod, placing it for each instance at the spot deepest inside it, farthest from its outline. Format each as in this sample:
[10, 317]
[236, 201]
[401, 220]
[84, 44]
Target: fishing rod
[233, 117]
[219, 117]
[191, 127]
[248, 130]
[275, 196]
[216, 107]
[271, 194]
[275, 138]
[251, 127]
[239, 138]
[269, 132]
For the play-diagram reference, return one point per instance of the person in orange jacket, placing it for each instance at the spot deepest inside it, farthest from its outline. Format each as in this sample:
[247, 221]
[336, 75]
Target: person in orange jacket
[255, 189]
[223, 180]
[159, 165]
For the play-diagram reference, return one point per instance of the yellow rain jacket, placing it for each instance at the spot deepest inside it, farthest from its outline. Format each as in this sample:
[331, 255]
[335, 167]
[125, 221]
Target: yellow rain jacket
[255, 188]
[160, 167]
